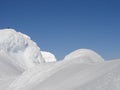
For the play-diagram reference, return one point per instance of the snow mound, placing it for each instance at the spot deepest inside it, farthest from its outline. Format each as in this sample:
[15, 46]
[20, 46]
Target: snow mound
[84, 55]
[49, 57]
[24, 53]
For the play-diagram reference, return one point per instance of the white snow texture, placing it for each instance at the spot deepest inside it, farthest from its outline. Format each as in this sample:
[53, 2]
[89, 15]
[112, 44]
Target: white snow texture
[24, 67]
[49, 57]
[84, 55]
[23, 51]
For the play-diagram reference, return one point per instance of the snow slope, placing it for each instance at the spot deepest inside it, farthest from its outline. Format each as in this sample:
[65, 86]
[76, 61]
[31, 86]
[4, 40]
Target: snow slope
[6, 68]
[23, 67]
[71, 75]
[8, 72]
[103, 76]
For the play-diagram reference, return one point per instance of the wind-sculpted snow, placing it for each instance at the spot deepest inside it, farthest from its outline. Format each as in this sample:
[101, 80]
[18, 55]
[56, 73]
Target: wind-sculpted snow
[49, 57]
[67, 75]
[84, 55]
[23, 67]
[23, 51]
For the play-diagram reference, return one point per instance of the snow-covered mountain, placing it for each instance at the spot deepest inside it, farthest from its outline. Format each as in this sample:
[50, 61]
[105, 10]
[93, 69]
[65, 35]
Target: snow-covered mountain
[22, 51]
[24, 67]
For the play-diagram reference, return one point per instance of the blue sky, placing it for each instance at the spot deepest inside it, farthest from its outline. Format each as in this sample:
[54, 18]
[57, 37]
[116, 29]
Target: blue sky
[61, 26]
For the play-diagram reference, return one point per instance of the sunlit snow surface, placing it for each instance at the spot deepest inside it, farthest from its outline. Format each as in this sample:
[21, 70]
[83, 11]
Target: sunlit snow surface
[24, 53]
[84, 55]
[24, 67]
[48, 57]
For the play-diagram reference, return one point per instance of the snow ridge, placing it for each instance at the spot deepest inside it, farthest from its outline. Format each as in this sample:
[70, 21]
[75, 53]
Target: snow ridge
[84, 55]
[23, 51]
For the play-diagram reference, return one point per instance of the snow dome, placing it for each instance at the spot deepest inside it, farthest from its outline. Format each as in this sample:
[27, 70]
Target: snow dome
[84, 55]
[49, 57]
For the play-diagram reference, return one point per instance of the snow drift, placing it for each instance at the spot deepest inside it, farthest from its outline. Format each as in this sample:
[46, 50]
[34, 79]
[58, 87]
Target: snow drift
[24, 53]
[49, 57]
[23, 67]
[84, 55]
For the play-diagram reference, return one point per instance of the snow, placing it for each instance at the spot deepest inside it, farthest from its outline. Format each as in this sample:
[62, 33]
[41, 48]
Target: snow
[67, 75]
[23, 66]
[84, 55]
[49, 57]
[23, 51]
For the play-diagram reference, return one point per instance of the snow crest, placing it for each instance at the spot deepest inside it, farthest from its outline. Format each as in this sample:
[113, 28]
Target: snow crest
[84, 55]
[49, 57]
[24, 53]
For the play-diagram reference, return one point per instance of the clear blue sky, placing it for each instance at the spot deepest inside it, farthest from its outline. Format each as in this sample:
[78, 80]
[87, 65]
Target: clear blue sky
[61, 26]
